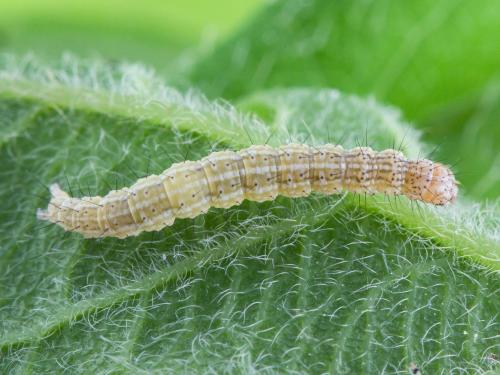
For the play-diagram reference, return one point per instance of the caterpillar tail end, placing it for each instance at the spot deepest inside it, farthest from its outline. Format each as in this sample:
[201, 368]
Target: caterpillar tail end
[57, 197]
[57, 192]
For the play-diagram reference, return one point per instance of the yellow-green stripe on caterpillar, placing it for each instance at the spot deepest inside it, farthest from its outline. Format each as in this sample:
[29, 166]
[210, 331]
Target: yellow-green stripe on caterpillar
[258, 173]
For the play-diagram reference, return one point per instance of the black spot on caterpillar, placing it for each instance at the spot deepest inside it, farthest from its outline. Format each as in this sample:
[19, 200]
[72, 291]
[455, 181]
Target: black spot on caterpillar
[258, 173]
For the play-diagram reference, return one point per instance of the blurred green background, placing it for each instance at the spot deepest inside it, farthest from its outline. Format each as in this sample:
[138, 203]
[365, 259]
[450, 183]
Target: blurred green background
[437, 61]
[150, 31]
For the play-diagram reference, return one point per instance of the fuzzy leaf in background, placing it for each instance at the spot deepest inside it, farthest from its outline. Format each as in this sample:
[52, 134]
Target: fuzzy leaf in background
[439, 61]
[309, 285]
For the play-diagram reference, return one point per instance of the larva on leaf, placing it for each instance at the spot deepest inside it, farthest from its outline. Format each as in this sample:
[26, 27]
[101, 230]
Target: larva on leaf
[258, 173]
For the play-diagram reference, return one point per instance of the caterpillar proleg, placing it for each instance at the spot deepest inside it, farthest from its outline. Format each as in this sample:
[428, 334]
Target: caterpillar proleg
[258, 173]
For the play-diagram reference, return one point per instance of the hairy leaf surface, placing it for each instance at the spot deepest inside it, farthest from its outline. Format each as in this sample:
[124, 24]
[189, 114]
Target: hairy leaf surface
[345, 284]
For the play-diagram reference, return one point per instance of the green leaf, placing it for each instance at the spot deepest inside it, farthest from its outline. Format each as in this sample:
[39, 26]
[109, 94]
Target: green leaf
[439, 61]
[310, 285]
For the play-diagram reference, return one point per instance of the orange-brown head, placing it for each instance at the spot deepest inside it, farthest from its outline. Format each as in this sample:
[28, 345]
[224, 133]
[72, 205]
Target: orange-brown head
[430, 182]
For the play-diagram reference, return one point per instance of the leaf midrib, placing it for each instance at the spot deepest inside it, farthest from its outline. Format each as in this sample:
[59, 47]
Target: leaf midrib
[132, 107]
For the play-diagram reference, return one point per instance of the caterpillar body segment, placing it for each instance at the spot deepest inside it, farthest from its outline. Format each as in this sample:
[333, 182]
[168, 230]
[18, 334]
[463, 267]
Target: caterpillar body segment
[258, 173]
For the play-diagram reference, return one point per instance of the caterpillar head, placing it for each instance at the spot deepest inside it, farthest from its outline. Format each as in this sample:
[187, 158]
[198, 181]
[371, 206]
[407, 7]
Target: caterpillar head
[430, 182]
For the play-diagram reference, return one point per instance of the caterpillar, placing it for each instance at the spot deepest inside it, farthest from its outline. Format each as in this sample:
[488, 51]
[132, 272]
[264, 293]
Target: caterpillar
[258, 173]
